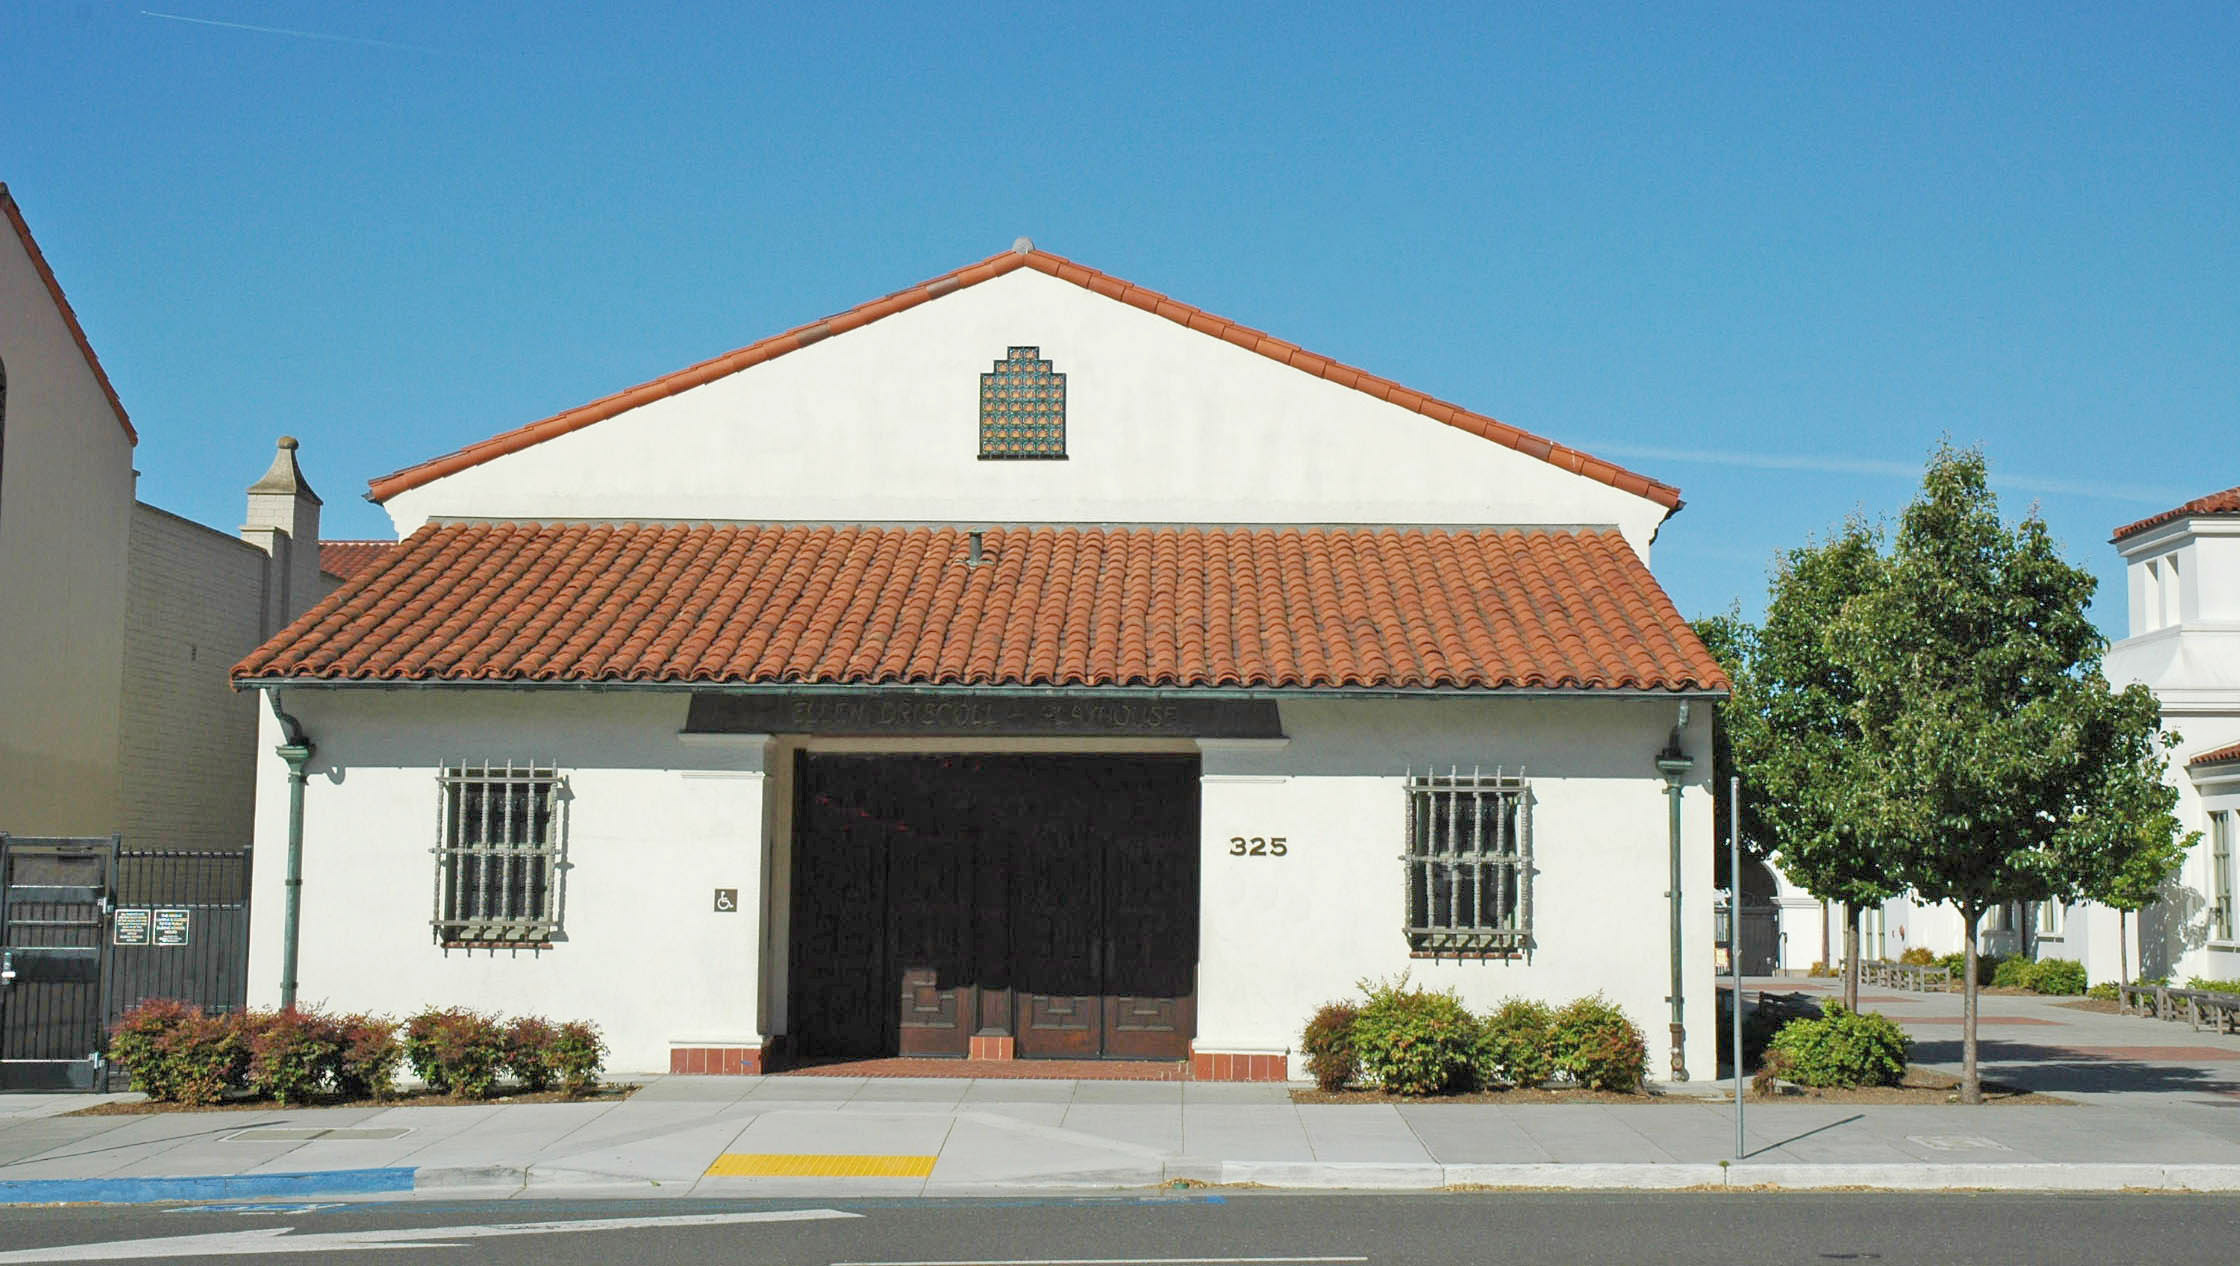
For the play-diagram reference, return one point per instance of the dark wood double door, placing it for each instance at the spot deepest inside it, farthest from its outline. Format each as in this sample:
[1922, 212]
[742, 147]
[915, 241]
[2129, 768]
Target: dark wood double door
[1052, 899]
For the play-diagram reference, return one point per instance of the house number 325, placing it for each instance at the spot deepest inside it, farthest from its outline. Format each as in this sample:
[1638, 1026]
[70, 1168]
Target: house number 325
[1257, 846]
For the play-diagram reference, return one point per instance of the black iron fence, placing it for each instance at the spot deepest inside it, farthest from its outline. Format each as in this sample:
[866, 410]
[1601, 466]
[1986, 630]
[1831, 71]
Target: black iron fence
[90, 928]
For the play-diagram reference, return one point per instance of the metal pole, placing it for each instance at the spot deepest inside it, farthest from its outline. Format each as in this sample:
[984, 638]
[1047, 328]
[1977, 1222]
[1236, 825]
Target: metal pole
[1734, 939]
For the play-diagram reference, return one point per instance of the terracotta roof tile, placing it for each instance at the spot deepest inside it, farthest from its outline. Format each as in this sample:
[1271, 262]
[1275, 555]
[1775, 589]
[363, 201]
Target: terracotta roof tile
[2217, 757]
[345, 559]
[1315, 608]
[2216, 503]
[1183, 314]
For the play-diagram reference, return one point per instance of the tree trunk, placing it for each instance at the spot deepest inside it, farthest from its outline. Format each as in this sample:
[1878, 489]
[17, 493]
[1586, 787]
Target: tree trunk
[2123, 948]
[1971, 1083]
[1850, 957]
[1825, 956]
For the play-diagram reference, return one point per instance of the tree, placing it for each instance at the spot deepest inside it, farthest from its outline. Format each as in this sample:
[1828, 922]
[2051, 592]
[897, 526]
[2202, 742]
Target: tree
[1794, 736]
[1993, 761]
[2139, 884]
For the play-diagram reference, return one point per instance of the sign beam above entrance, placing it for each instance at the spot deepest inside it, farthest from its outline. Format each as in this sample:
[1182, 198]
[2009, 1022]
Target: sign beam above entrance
[880, 713]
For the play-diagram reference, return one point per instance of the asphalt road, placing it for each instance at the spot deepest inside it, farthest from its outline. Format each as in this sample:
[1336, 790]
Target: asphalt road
[1239, 1229]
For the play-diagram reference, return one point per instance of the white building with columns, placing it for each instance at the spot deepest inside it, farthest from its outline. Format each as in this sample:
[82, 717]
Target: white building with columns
[1025, 665]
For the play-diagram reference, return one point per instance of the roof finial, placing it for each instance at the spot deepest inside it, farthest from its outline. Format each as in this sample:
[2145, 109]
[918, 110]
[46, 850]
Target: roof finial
[1023, 246]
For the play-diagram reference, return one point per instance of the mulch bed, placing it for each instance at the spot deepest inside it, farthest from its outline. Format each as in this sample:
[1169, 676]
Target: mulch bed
[1920, 1086]
[1315, 1095]
[402, 1099]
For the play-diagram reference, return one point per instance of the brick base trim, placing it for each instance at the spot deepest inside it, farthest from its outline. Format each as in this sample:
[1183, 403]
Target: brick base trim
[716, 1061]
[1238, 1066]
[994, 1046]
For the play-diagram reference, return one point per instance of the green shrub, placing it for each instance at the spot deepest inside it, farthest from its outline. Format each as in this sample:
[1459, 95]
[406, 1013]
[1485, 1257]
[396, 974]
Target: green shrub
[1412, 1041]
[1842, 1048]
[2213, 986]
[176, 1054]
[1918, 956]
[292, 1054]
[2012, 973]
[1987, 967]
[366, 1065]
[1515, 1046]
[2062, 977]
[2105, 991]
[455, 1050]
[1328, 1043]
[1593, 1042]
[529, 1051]
[577, 1055]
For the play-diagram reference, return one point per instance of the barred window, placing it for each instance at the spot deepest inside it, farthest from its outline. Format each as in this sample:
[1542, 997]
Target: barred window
[498, 857]
[2223, 827]
[1469, 864]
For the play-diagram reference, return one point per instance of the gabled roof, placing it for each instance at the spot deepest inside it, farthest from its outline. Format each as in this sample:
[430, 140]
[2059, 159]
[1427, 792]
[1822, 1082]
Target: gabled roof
[1169, 607]
[345, 559]
[2217, 504]
[62, 304]
[2217, 757]
[1026, 256]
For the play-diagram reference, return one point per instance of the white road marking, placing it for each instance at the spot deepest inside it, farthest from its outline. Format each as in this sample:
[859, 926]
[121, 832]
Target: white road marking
[277, 1239]
[1104, 1261]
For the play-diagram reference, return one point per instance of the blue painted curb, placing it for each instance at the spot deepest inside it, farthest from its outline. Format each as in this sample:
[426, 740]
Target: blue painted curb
[332, 1182]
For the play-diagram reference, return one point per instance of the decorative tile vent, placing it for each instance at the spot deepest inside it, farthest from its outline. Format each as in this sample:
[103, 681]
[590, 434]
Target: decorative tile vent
[1022, 408]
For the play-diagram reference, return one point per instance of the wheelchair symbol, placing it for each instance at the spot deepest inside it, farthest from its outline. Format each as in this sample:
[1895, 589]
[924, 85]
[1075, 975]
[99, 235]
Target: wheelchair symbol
[727, 900]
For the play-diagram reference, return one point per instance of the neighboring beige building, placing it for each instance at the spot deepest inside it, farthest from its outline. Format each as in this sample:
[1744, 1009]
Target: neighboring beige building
[198, 600]
[66, 485]
[118, 620]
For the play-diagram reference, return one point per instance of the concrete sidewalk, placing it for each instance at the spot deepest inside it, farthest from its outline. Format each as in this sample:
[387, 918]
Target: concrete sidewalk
[2156, 1107]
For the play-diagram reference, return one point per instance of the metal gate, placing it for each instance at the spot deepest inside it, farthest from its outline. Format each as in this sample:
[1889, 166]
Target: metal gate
[91, 929]
[54, 908]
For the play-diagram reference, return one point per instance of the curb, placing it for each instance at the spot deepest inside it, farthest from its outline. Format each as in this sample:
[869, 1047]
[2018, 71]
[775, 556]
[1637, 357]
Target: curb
[1590, 1176]
[332, 1182]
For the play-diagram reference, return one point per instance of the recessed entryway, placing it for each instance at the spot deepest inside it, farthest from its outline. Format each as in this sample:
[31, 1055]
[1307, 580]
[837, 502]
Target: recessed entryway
[1049, 899]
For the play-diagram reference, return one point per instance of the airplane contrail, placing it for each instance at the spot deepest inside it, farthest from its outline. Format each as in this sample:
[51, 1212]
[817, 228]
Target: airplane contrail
[1881, 467]
[327, 36]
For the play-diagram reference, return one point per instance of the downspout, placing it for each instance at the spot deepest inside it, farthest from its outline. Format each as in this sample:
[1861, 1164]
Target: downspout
[296, 750]
[1674, 765]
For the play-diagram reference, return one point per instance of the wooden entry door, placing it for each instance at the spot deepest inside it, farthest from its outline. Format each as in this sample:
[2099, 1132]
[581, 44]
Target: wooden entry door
[1106, 950]
[1053, 897]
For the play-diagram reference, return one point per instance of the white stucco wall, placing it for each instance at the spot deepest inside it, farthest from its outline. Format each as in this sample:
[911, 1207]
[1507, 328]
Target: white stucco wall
[1282, 936]
[1163, 425]
[66, 485]
[655, 823]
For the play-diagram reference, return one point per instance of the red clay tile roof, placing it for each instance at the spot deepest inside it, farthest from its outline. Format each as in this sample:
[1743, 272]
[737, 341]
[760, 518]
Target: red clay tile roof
[2217, 757]
[14, 217]
[345, 559]
[1065, 270]
[1162, 607]
[2216, 503]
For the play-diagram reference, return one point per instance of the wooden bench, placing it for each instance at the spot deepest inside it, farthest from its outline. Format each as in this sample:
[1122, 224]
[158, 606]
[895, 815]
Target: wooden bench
[2221, 1011]
[1914, 976]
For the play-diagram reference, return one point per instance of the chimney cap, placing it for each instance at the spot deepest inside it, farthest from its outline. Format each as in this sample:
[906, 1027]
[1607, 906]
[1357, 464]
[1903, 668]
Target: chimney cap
[285, 477]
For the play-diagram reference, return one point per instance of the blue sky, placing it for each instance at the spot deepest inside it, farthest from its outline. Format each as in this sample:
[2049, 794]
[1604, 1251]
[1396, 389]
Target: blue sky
[1770, 253]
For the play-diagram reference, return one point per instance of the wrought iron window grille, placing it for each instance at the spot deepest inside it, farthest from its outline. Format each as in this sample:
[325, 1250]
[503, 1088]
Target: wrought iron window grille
[500, 856]
[1468, 865]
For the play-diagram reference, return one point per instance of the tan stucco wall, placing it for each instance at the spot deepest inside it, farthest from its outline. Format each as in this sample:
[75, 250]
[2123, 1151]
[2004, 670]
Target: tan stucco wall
[65, 510]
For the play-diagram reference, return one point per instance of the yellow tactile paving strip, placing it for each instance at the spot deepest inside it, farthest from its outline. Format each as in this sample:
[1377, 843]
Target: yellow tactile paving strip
[813, 1165]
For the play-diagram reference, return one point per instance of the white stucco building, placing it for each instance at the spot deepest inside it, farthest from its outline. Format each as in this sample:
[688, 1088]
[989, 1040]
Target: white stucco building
[1023, 665]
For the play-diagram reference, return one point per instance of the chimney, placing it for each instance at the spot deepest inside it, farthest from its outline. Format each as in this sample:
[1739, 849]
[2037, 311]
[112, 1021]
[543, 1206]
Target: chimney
[284, 523]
